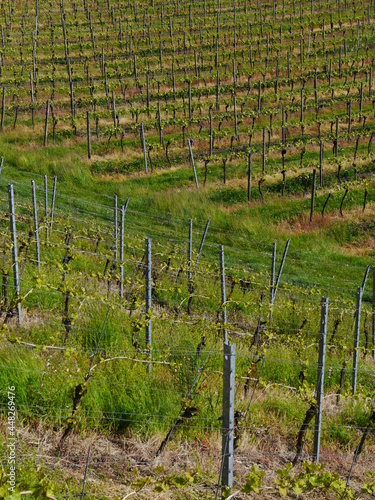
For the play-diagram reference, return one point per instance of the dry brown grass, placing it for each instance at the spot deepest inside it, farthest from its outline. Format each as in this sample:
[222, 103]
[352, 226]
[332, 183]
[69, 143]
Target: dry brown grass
[117, 460]
[354, 215]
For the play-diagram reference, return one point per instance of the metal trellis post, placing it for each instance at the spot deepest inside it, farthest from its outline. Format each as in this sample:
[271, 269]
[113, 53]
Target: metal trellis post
[272, 284]
[13, 231]
[320, 379]
[373, 313]
[356, 338]
[192, 161]
[223, 298]
[122, 219]
[46, 204]
[53, 202]
[190, 247]
[228, 414]
[281, 269]
[148, 299]
[35, 216]
[115, 228]
[201, 246]
[85, 476]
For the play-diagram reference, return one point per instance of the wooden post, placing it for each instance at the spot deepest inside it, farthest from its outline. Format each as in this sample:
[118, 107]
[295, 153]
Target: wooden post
[88, 136]
[249, 178]
[114, 109]
[173, 79]
[3, 111]
[217, 91]
[264, 151]
[46, 124]
[313, 195]
[235, 116]
[370, 84]
[211, 133]
[148, 93]
[135, 68]
[189, 91]
[160, 127]
[349, 116]
[321, 157]
[259, 95]
[32, 98]
[144, 146]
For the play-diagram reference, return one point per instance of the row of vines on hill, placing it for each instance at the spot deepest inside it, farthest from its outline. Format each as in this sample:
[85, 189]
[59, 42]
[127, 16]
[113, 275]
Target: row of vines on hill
[288, 86]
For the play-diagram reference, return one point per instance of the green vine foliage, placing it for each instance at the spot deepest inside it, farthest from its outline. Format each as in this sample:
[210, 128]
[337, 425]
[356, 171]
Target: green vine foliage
[37, 486]
[254, 480]
[162, 482]
[311, 478]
